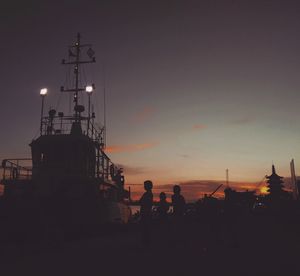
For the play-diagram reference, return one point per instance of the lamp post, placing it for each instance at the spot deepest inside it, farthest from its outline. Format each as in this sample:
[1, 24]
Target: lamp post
[89, 90]
[43, 93]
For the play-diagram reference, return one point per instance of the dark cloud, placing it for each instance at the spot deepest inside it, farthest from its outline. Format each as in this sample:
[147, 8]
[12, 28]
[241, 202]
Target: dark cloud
[130, 148]
[184, 155]
[243, 121]
[130, 170]
[143, 115]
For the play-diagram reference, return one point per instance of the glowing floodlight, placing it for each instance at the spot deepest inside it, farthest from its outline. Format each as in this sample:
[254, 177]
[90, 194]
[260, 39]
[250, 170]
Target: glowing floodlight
[43, 91]
[89, 89]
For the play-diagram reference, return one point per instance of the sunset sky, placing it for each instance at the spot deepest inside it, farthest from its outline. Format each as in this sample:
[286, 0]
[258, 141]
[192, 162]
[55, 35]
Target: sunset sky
[193, 87]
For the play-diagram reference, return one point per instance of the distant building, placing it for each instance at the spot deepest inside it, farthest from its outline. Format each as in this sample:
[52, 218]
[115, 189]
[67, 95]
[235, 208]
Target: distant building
[275, 185]
[243, 199]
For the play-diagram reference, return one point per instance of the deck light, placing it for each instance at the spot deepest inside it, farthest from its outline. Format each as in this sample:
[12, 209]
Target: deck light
[43, 91]
[89, 89]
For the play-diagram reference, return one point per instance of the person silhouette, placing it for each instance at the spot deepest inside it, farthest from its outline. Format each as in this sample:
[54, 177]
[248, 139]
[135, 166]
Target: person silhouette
[163, 207]
[178, 202]
[178, 227]
[146, 202]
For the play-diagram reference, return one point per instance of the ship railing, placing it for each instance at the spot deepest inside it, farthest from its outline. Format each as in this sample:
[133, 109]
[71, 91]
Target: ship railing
[107, 170]
[103, 166]
[62, 125]
[19, 168]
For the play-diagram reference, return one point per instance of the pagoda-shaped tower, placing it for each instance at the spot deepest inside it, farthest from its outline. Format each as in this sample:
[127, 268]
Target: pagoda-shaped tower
[275, 184]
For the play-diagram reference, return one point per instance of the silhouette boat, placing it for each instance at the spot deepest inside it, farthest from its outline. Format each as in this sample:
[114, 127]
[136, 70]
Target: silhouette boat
[69, 181]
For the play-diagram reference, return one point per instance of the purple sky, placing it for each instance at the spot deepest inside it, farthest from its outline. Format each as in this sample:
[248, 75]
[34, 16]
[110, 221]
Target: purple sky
[193, 87]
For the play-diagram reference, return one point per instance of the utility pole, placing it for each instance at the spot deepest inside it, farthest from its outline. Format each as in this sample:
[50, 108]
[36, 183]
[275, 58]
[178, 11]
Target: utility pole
[227, 178]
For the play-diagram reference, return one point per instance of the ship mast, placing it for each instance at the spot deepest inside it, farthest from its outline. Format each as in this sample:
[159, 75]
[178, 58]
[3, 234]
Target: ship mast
[76, 72]
[74, 57]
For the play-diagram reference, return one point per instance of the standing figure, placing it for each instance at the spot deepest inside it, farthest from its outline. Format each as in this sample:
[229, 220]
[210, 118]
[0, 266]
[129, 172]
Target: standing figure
[146, 203]
[178, 202]
[163, 207]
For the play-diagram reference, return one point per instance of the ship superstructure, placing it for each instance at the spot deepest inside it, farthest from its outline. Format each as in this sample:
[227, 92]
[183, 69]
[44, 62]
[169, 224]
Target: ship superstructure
[69, 163]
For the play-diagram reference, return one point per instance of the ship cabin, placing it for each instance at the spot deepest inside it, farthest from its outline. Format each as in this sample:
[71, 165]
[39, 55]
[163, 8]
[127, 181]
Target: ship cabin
[64, 150]
[67, 158]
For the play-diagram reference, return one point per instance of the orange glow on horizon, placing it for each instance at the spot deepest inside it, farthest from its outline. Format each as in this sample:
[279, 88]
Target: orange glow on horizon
[264, 190]
[191, 190]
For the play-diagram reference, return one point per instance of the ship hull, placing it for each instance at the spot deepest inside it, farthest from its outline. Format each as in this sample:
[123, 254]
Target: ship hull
[26, 214]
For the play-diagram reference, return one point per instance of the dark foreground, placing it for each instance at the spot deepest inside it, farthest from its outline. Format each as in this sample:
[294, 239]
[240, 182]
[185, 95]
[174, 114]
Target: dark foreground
[252, 245]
